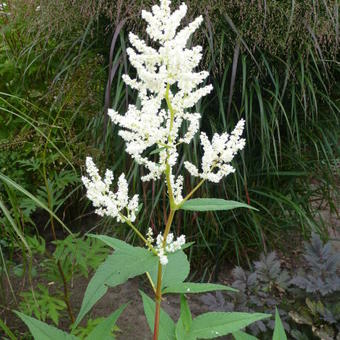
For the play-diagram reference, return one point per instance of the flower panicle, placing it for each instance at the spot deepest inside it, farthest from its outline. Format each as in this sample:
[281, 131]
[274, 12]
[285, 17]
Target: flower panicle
[218, 154]
[172, 63]
[108, 203]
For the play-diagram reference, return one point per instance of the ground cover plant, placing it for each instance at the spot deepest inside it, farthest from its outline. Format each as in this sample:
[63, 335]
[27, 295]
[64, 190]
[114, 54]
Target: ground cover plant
[304, 296]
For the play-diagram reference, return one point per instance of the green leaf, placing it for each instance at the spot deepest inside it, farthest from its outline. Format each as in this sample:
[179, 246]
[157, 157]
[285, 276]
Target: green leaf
[14, 226]
[214, 324]
[187, 245]
[175, 271]
[16, 186]
[279, 332]
[184, 322]
[117, 269]
[42, 331]
[166, 324]
[243, 336]
[185, 313]
[191, 287]
[7, 331]
[113, 242]
[181, 333]
[212, 204]
[103, 331]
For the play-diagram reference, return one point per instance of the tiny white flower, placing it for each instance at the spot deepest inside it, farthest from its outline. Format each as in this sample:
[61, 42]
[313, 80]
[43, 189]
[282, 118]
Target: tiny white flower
[149, 236]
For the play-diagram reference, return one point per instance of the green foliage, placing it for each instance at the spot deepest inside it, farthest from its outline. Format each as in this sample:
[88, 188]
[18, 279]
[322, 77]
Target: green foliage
[100, 329]
[83, 332]
[205, 326]
[243, 336]
[166, 324]
[42, 304]
[56, 188]
[126, 262]
[105, 328]
[279, 332]
[78, 255]
[7, 331]
[213, 324]
[38, 202]
[184, 322]
[176, 271]
[43, 331]
[191, 287]
[212, 204]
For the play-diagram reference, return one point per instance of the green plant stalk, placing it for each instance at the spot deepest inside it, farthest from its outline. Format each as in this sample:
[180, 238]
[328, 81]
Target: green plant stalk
[173, 208]
[191, 193]
[159, 279]
[128, 222]
[7, 276]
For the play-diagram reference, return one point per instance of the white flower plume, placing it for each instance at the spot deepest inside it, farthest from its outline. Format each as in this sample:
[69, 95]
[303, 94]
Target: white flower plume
[172, 64]
[103, 199]
[218, 154]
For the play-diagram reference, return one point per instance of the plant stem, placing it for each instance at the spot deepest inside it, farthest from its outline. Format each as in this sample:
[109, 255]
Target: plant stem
[191, 193]
[173, 208]
[130, 224]
[159, 278]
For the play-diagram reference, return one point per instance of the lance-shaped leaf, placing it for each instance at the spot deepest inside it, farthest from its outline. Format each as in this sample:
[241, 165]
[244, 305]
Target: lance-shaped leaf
[117, 269]
[103, 331]
[42, 331]
[184, 322]
[279, 332]
[243, 336]
[166, 324]
[192, 287]
[113, 242]
[212, 204]
[215, 324]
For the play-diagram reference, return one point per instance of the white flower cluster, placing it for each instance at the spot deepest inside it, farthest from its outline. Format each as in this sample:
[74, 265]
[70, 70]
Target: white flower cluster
[171, 245]
[107, 202]
[157, 69]
[218, 154]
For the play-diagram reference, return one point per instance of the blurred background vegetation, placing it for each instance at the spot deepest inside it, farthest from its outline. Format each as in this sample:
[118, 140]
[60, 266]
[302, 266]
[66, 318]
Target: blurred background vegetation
[274, 63]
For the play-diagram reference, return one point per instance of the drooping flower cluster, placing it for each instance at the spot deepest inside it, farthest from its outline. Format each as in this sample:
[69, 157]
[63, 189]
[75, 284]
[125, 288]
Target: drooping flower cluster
[172, 64]
[218, 154]
[103, 199]
[171, 245]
